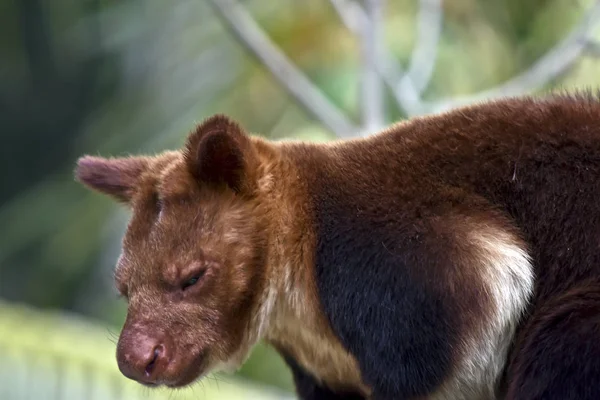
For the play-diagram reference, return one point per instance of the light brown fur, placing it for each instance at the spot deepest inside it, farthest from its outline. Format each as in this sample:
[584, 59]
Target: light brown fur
[177, 225]
[296, 324]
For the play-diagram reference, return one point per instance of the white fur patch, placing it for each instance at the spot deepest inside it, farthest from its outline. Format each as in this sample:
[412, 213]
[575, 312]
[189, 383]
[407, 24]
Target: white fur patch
[265, 310]
[265, 183]
[506, 269]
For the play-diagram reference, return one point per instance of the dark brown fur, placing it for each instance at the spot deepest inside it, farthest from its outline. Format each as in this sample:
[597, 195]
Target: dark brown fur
[376, 266]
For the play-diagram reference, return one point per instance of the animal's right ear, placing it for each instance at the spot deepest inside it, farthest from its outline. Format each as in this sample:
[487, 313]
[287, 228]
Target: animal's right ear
[220, 152]
[116, 177]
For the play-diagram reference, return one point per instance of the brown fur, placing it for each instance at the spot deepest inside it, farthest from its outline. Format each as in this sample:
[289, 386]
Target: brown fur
[169, 237]
[461, 202]
[297, 325]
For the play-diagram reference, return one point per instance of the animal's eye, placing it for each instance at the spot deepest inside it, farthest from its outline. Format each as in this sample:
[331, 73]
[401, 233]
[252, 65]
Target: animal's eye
[192, 281]
[159, 206]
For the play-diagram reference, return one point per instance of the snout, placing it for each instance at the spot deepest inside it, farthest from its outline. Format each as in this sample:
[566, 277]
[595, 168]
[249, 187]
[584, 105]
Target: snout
[143, 356]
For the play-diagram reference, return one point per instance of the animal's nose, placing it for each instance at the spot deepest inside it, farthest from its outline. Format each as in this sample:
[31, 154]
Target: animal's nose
[142, 358]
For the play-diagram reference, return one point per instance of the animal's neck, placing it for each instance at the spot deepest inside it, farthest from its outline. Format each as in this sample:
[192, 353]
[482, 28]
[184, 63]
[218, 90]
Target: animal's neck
[290, 316]
[286, 293]
[290, 281]
[297, 326]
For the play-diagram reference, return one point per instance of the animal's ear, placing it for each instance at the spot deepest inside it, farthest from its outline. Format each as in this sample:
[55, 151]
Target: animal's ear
[219, 152]
[116, 177]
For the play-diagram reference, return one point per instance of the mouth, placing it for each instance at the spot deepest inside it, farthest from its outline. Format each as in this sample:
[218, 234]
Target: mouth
[196, 370]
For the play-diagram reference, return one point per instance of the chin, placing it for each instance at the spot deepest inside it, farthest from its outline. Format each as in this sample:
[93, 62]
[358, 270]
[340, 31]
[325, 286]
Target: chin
[197, 369]
[233, 364]
[183, 383]
[187, 378]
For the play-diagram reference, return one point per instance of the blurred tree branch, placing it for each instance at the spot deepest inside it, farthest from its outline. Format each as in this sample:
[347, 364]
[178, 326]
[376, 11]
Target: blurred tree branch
[424, 55]
[378, 66]
[356, 20]
[551, 65]
[241, 23]
[372, 90]
[352, 15]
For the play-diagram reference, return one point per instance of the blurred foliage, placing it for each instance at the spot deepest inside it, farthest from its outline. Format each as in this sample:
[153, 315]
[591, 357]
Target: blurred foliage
[71, 358]
[115, 77]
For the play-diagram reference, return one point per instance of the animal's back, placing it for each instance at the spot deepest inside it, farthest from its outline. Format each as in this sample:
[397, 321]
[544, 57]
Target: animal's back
[393, 213]
[535, 159]
[539, 161]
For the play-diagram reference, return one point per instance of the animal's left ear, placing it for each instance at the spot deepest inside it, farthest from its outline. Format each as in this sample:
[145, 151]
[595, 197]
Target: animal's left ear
[116, 177]
[219, 152]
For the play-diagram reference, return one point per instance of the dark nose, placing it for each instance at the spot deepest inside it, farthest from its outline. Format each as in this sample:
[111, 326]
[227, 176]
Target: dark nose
[141, 357]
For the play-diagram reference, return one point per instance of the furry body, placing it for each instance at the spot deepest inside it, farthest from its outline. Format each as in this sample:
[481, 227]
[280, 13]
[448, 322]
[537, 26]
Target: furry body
[395, 211]
[453, 256]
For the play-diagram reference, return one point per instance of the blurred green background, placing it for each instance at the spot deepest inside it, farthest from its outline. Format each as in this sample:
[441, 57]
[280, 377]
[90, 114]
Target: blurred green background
[114, 77]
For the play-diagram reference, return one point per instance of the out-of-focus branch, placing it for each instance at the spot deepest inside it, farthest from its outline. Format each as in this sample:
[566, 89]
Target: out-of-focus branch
[355, 19]
[351, 14]
[424, 55]
[240, 23]
[372, 106]
[554, 63]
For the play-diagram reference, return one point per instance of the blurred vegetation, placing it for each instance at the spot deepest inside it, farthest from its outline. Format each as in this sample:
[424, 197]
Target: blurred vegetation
[115, 77]
[73, 358]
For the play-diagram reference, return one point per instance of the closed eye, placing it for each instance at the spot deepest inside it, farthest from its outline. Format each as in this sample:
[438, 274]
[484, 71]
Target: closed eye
[193, 280]
[159, 207]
